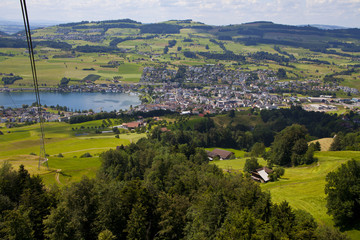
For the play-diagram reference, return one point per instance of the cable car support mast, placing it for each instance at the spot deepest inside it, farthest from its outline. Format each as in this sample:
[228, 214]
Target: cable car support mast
[42, 155]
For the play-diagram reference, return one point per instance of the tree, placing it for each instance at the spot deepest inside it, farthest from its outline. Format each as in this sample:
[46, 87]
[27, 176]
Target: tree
[277, 173]
[106, 235]
[251, 164]
[64, 82]
[305, 225]
[281, 73]
[116, 130]
[75, 215]
[283, 221]
[324, 232]
[136, 225]
[60, 226]
[343, 193]
[16, 225]
[166, 49]
[232, 113]
[289, 146]
[258, 149]
[172, 211]
[336, 145]
[206, 215]
[238, 225]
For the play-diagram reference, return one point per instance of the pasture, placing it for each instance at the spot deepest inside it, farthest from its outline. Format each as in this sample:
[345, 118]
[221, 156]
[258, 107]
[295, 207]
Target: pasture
[22, 146]
[303, 186]
[52, 69]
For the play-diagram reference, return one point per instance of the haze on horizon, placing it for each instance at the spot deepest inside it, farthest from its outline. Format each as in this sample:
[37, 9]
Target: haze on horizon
[214, 12]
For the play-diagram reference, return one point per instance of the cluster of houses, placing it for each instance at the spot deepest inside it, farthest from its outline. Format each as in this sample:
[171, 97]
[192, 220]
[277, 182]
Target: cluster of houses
[207, 75]
[30, 114]
[223, 89]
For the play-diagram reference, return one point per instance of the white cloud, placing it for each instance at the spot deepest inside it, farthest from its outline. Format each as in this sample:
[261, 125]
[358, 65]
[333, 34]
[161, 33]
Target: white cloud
[217, 12]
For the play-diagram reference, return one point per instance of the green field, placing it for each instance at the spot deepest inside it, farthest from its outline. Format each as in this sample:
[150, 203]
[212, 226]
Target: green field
[21, 143]
[51, 70]
[137, 53]
[303, 187]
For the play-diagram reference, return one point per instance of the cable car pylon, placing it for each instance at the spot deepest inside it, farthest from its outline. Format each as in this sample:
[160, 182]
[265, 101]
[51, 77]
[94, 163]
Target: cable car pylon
[42, 155]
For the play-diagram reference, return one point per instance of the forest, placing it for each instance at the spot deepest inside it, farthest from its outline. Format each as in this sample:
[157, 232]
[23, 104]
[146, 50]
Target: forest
[150, 190]
[164, 186]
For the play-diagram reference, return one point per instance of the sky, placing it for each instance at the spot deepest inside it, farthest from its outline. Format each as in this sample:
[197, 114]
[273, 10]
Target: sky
[344, 13]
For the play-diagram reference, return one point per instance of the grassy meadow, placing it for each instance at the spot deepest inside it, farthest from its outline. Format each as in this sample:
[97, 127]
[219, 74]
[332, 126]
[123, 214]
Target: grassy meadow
[22, 145]
[303, 186]
[51, 70]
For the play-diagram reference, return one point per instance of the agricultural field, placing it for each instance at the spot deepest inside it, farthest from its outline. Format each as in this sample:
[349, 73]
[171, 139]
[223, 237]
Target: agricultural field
[51, 70]
[303, 186]
[80, 49]
[325, 143]
[22, 145]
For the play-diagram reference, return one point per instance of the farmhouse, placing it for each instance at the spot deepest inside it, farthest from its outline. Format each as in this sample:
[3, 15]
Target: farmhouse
[261, 174]
[221, 154]
[132, 125]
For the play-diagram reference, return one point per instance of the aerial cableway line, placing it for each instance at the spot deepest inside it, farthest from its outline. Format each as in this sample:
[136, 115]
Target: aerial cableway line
[42, 155]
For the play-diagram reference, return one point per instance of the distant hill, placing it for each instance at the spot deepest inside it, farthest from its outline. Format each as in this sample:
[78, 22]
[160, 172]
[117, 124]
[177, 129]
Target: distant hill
[12, 27]
[318, 38]
[327, 27]
[3, 33]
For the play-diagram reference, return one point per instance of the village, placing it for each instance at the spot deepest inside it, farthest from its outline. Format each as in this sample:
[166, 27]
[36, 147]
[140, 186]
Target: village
[205, 89]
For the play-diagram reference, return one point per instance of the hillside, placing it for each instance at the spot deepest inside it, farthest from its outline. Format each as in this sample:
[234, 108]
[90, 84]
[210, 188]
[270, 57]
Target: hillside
[67, 50]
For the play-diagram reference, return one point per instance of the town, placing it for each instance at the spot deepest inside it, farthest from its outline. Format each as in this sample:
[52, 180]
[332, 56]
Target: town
[205, 89]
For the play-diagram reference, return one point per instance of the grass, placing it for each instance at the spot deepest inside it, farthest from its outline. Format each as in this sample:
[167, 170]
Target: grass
[17, 145]
[303, 186]
[235, 165]
[72, 169]
[51, 70]
[238, 153]
[324, 143]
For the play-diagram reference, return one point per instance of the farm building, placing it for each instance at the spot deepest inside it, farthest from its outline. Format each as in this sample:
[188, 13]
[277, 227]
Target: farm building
[261, 174]
[221, 154]
[132, 125]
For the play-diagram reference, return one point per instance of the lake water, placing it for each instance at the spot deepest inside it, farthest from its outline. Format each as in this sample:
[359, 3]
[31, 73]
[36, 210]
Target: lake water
[75, 101]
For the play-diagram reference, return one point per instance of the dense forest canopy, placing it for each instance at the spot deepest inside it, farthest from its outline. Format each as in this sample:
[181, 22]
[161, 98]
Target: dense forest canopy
[150, 190]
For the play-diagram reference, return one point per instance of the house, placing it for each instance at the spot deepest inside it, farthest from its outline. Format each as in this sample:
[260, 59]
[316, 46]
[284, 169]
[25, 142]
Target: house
[132, 125]
[221, 154]
[261, 174]
[164, 129]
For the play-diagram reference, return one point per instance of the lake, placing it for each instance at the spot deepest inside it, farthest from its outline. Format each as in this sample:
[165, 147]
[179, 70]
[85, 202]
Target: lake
[74, 100]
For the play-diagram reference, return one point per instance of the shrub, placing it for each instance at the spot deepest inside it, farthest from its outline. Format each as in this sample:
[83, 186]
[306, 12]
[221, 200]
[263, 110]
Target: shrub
[86, 155]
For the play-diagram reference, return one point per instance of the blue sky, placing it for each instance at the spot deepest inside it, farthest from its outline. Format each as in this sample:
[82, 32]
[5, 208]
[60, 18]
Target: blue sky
[216, 12]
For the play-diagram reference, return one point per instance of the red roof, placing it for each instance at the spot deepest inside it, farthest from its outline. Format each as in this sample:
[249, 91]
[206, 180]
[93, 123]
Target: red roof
[164, 129]
[132, 124]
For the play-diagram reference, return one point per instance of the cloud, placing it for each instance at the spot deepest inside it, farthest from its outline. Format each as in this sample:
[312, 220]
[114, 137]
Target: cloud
[217, 12]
